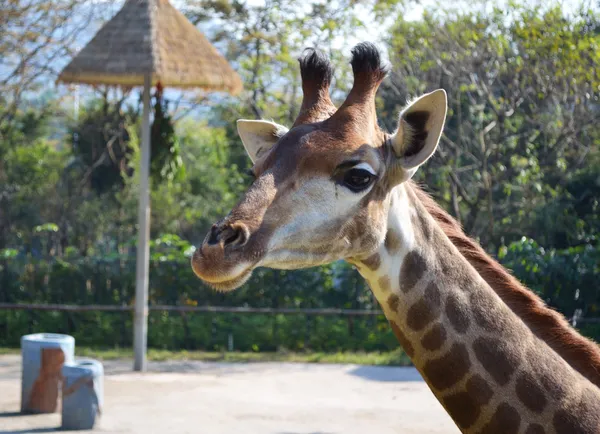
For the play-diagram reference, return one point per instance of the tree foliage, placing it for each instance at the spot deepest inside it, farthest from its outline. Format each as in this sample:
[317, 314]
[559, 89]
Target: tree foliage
[523, 89]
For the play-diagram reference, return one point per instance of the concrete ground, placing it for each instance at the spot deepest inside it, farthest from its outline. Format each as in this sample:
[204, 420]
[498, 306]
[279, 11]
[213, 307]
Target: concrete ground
[270, 398]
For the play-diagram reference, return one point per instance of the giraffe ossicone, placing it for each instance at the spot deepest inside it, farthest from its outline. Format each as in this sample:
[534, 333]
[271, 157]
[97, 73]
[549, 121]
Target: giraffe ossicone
[335, 186]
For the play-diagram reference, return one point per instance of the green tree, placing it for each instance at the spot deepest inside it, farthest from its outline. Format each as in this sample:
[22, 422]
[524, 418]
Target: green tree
[165, 155]
[523, 93]
[100, 142]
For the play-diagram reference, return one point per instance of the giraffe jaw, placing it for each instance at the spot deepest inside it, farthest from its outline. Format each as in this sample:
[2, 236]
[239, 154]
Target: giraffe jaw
[230, 284]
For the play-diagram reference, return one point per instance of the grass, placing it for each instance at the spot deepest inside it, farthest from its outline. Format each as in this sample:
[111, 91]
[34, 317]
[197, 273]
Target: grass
[391, 358]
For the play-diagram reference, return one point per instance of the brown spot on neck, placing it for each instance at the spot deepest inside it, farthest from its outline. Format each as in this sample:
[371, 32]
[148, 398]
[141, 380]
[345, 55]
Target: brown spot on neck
[553, 388]
[373, 262]
[434, 338]
[393, 301]
[426, 310]
[384, 284]
[392, 242]
[479, 389]
[534, 428]
[462, 408]
[530, 393]
[505, 420]
[457, 313]
[412, 269]
[497, 358]
[449, 369]
[465, 406]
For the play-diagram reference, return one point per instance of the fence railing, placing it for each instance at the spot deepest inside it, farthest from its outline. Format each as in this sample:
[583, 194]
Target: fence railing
[199, 309]
[213, 309]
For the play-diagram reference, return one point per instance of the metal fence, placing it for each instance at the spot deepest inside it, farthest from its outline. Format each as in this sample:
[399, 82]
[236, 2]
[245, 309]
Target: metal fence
[198, 309]
[216, 309]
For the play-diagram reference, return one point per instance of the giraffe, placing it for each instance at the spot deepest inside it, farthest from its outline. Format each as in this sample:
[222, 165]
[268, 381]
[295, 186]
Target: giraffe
[335, 186]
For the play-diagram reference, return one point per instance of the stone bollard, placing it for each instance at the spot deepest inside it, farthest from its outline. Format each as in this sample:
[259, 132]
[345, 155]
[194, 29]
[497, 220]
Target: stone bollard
[83, 394]
[43, 356]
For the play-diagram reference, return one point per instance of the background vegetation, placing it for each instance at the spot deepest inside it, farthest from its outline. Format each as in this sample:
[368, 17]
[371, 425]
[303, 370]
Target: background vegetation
[518, 165]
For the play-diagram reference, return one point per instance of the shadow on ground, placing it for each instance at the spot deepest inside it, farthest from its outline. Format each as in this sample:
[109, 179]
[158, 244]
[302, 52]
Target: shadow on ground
[379, 373]
[11, 414]
[30, 430]
[118, 367]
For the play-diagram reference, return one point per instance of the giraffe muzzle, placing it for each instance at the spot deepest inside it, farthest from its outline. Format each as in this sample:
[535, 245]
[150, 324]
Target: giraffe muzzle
[225, 260]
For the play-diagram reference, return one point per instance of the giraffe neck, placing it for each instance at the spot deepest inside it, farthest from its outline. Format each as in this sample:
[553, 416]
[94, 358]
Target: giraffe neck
[485, 366]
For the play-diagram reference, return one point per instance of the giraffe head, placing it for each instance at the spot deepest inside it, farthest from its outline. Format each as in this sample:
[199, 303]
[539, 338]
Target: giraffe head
[322, 188]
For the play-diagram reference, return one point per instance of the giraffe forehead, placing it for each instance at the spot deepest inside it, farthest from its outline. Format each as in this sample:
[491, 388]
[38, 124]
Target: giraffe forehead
[305, 150]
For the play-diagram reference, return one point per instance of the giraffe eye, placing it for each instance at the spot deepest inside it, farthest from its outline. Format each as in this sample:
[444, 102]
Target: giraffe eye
[358, 179]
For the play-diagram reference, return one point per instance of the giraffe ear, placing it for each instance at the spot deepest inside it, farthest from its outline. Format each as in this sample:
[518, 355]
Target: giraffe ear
[419, 130]
[259, 136]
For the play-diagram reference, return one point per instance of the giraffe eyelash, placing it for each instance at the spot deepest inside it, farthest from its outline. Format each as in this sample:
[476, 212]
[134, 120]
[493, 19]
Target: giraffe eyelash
[365, 166]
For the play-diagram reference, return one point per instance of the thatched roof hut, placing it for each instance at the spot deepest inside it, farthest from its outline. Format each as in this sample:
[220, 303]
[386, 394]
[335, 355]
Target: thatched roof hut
[151, 36]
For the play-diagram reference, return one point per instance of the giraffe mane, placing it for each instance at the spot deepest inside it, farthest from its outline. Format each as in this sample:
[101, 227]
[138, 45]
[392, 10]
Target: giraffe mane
[580, 353]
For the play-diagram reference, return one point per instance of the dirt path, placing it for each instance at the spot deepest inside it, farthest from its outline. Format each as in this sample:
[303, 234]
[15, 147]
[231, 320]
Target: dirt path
[270, 398]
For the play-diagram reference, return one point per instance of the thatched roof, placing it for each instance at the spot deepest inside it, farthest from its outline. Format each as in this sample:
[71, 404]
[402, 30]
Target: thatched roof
[151, 36]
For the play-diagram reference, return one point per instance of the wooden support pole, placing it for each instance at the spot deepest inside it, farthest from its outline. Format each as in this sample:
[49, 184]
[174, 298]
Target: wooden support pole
[140, 334]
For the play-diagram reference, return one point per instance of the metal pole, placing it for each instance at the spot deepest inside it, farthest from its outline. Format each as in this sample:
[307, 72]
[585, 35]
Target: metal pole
[140, 334]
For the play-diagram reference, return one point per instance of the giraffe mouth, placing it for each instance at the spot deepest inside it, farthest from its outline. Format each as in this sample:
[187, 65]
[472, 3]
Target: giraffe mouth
[229, 284]
[218, 274]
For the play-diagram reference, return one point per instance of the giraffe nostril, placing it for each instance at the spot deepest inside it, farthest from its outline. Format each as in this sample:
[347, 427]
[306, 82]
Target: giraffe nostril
[230, 236]
[236, 234]
[243, 233]
[213, 237]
